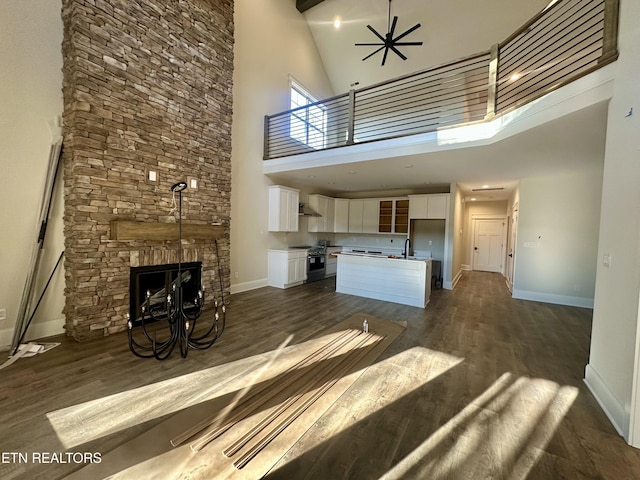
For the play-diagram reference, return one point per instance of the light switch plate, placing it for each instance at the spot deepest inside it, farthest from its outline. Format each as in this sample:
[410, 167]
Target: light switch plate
[606, 259]
[3, 313]
[152, 176]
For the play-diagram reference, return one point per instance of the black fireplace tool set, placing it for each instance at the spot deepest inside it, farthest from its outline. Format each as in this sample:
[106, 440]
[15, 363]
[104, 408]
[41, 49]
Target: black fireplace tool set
[179, 313]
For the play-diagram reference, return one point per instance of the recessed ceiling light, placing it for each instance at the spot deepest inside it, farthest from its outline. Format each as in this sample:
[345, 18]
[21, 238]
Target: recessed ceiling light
[337, 23]
[408, 166]
[473, 199]
[352, 172]
[485, 186]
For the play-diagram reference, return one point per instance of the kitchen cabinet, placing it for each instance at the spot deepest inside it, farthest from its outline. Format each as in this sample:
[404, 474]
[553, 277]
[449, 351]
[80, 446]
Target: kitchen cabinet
[331, 265]
[393, 216]
[427, 207]
[355, 216]
[287, 268]
[363, 215]
[399, 280]
[325, 208]
[283, 209]
[341, 215]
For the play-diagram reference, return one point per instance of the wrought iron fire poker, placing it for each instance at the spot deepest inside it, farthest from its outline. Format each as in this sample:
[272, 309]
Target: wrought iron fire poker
[180, 323]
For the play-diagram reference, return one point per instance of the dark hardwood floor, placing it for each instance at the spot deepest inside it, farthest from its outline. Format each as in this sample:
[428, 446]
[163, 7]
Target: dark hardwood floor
[478, 386]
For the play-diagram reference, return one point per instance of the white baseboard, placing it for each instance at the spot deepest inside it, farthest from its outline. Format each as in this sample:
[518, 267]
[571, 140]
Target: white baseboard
[35, 331]
[553, 298]
[456, 279]
[608, 402]
[246, 286]
[466, 268]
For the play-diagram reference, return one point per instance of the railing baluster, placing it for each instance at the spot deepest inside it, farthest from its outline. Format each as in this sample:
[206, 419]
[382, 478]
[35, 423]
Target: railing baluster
[493, 82]
[352, 117]
[265, 155]
[610, 40]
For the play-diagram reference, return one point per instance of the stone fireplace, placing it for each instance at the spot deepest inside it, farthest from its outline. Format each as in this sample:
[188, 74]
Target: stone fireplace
[147, 89]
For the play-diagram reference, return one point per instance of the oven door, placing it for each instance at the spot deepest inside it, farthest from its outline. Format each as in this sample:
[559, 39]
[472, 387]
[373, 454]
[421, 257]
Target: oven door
[315, 267]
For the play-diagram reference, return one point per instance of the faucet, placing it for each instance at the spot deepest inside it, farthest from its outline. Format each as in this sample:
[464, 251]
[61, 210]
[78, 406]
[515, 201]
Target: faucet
[407, 246]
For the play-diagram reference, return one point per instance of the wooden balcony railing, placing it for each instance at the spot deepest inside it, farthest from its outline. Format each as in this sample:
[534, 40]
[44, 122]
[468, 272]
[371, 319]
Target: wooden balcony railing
[564, 42]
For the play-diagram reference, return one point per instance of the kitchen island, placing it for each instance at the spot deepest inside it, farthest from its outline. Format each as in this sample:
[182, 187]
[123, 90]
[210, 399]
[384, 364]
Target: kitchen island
[394, 279]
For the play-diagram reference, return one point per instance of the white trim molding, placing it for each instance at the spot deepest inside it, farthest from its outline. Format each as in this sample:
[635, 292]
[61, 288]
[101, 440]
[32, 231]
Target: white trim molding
[582, 302]
[246, 286]
[607, 401]
[456, 279]
[34, 332]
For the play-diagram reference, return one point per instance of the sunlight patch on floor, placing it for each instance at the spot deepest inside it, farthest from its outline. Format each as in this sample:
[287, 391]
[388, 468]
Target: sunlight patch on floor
[385, 382]
[501, 434]
[85, 422]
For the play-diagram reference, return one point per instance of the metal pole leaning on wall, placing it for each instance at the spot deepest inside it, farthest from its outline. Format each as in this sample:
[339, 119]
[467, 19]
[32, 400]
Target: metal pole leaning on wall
[45, 208]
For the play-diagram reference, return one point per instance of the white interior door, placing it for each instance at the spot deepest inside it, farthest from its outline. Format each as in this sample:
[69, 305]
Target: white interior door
[487, 245]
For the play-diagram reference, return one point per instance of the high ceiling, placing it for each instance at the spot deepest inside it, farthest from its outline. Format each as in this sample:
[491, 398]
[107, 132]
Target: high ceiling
[448, 31]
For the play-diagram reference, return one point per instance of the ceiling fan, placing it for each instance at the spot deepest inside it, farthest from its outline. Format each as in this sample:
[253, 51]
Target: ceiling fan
[388, 41]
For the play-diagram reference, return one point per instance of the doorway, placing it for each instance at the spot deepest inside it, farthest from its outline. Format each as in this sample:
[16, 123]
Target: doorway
[488, 244]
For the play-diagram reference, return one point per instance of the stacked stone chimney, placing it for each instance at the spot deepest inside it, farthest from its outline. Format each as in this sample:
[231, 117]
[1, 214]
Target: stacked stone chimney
[147, 88]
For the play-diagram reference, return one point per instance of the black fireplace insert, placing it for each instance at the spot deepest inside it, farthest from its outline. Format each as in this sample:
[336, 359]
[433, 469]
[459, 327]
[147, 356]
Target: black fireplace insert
[158, 280]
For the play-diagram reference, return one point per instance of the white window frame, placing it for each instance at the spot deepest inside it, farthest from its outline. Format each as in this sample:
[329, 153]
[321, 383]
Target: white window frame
[307, 125]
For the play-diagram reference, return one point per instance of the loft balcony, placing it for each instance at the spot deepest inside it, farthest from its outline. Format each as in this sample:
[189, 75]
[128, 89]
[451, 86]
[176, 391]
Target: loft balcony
[564, 43]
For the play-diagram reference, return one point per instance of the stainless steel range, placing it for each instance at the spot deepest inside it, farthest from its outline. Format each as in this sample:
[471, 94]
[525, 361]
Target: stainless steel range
[316, 258]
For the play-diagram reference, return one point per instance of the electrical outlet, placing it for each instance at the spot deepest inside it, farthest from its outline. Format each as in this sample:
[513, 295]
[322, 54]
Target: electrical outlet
[3, 313]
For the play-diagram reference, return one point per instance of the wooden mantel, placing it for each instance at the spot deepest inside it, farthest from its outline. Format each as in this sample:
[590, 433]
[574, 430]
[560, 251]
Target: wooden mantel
[131, 230]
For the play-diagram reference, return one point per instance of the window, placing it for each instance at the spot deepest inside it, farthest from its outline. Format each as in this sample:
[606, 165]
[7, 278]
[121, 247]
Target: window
[308, 120]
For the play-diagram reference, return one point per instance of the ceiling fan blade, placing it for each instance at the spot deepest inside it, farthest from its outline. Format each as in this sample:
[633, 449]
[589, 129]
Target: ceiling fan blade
[384, 57]
[398, 52]
[402, 44]
[402, 35]
[372, 54]
[368, 44]
[375, 33]
[393, 28]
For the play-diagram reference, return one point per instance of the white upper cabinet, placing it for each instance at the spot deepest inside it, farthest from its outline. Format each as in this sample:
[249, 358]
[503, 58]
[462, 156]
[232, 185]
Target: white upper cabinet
[434, 206]
[283, 209]
[370, 211]
[355, 215]
[325, 208]
[363, 215]
[341, 215]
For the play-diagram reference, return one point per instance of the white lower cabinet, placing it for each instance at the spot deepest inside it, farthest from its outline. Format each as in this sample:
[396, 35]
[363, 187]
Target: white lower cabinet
[287, 268]
[331, 265]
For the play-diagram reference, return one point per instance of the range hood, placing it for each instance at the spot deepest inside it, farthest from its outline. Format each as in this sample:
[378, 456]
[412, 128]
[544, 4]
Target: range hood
[306, 211]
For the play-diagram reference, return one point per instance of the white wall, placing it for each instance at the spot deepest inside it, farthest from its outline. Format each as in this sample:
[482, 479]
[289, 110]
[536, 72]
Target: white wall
[272, 40]
[613, 362]
[557, 243]
[458, 231]
[31, 98]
